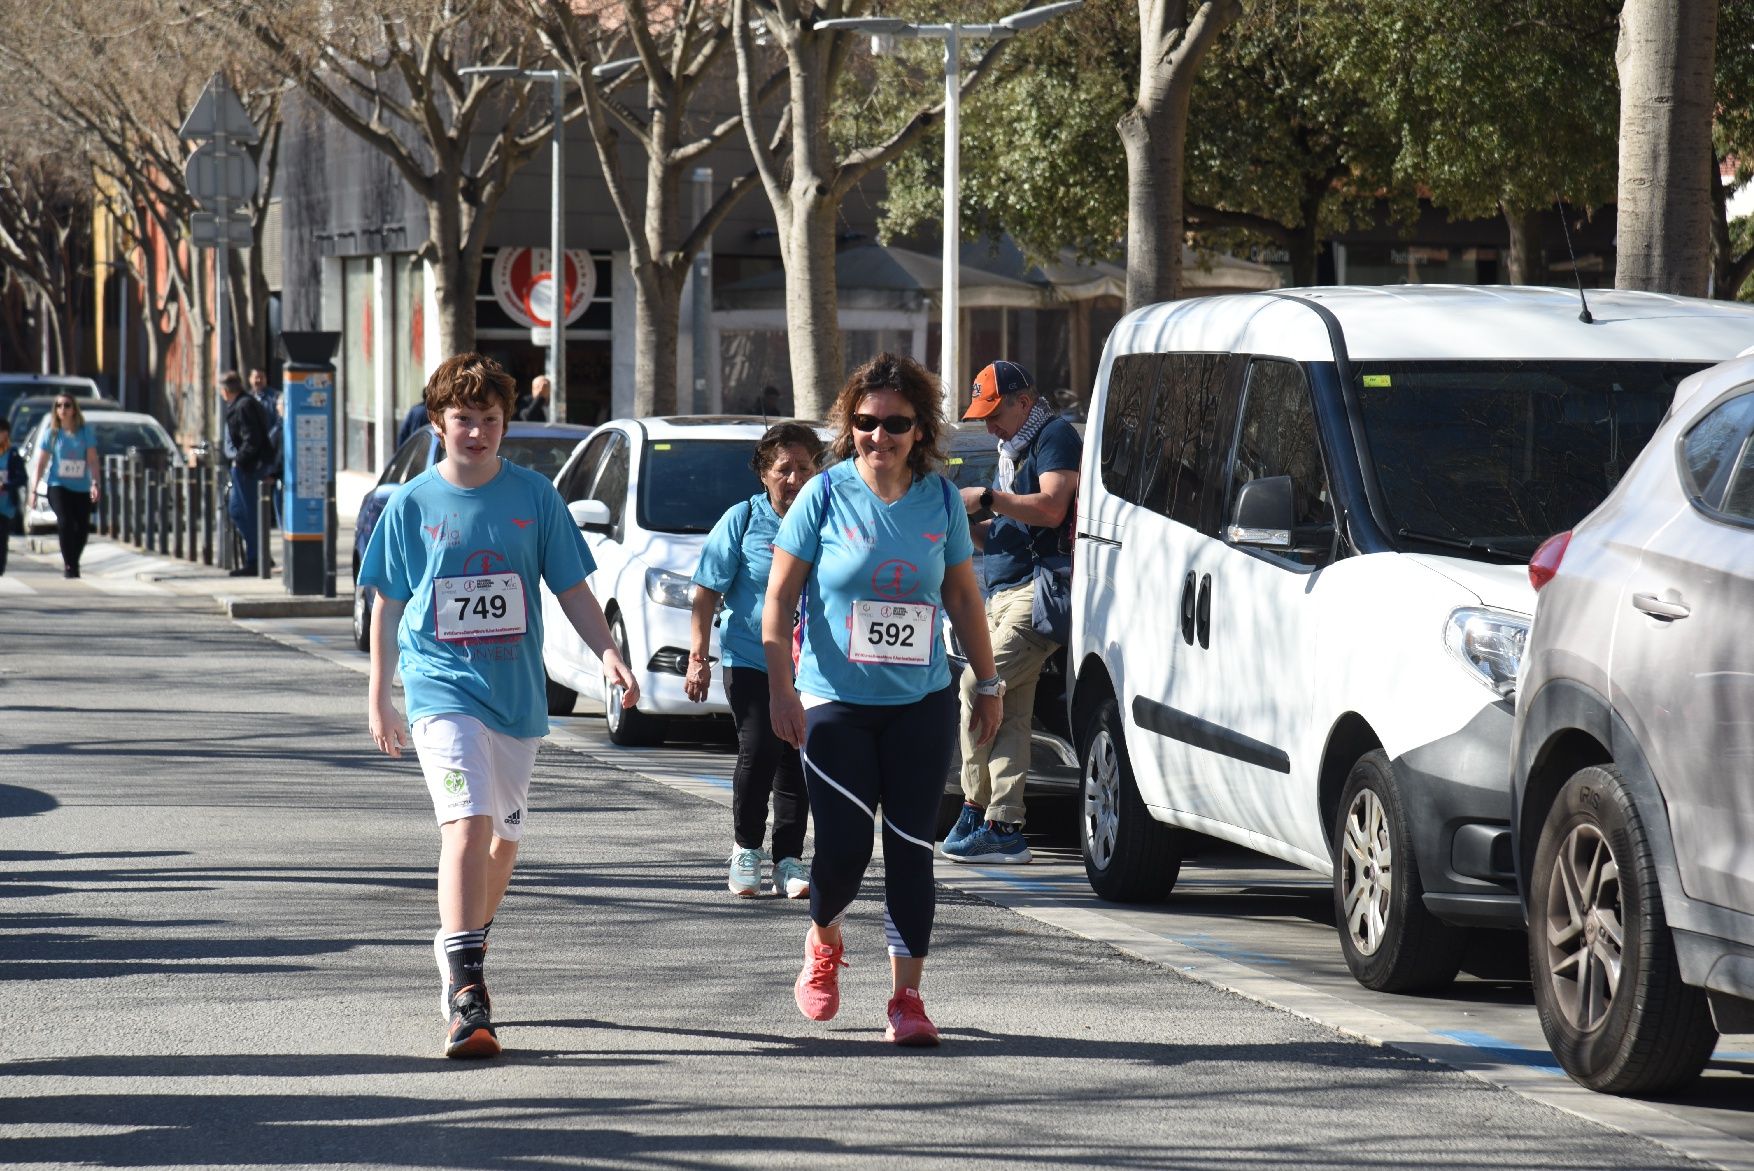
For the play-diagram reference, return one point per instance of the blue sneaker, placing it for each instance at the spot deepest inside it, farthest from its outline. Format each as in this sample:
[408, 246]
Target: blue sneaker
[988, 845]
[967, 822]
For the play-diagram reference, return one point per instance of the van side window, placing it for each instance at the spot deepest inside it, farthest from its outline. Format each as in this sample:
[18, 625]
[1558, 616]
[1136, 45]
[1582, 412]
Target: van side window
[1130, 383]
[1277, 437]
[1181, 435]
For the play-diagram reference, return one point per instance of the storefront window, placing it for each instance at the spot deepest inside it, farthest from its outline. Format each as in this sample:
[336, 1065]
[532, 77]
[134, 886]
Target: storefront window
[359, 384]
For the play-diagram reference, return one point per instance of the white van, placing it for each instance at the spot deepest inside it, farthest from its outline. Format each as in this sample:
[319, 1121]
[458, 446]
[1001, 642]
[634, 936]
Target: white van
[1301, 588]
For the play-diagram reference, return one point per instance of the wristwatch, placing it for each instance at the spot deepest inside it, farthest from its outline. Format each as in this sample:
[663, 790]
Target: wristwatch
[986, 498]
[994, 687]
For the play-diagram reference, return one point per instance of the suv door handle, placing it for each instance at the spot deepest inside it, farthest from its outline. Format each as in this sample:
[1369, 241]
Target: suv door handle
[1662, 608]
[1188, 608]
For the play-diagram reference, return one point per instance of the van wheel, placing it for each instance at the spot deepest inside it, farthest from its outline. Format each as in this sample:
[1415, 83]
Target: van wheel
[1607, 984]
[628, 727]
[1129, 857]
[1390, 941]
[362, 618]
[561, 699]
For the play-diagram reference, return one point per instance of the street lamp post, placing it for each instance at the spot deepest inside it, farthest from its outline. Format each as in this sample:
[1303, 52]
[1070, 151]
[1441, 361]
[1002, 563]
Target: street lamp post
[557, 80]
[953, 34]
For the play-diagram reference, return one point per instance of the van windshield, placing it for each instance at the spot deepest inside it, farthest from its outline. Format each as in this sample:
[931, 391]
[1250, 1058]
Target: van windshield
[1489, 459]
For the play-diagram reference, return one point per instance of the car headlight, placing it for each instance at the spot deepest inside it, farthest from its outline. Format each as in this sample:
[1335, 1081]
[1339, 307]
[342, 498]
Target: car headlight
[669, 589]
[1490, 643]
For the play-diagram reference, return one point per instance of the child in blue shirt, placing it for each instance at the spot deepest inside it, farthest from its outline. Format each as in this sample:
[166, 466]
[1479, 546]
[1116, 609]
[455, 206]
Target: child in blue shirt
[456, 560]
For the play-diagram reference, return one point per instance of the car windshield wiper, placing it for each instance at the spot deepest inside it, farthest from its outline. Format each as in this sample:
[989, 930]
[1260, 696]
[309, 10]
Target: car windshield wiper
[1468, 543]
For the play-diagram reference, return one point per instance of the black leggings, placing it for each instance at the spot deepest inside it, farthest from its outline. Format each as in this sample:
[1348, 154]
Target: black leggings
[765, 764]
[858, 757]
[72, 521]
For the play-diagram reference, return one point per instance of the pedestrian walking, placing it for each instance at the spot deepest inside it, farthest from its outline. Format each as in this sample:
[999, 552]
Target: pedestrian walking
[456, 560]
[250, 452]
[730, 587]
[13, 478]
[1027, 562]
[69, 458]
[875, 546]
[535, 408]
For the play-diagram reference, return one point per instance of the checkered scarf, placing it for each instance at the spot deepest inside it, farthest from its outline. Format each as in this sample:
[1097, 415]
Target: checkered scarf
[1010, 450]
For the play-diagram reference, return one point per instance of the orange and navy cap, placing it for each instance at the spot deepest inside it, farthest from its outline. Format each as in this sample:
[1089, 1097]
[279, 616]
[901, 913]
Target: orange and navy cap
[997, 380]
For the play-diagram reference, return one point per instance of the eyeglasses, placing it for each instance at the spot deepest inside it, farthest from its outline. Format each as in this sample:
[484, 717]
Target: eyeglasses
[894, 424]
[63, 406]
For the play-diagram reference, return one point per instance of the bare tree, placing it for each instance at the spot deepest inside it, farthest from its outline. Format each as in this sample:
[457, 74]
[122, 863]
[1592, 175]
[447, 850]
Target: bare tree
[807, 195]
[390, 71]
[678, 50]
[45, 202]
[1174, 37]
[1665, 57]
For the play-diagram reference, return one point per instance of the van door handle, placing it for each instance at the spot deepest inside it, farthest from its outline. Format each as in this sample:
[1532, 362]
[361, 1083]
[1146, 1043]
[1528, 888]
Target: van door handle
[1203, 612]
[1188, 608]
[1662, 608]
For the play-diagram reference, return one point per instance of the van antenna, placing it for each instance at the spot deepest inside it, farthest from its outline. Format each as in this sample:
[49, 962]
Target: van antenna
[1575, 274]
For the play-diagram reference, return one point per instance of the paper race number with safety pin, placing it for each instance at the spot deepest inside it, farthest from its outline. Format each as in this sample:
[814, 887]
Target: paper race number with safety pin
[901, 633]
[486, 605]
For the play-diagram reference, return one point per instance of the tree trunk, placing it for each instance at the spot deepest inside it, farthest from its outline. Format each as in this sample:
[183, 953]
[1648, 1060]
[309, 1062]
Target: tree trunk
[657, 298]
[453, 280]
[812, 306]
[1524, 261]
[1665, 57]
[1305, 244]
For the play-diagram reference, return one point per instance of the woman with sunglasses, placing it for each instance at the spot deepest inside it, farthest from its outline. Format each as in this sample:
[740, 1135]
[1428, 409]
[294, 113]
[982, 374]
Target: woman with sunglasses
[69, 452]
[729, 586]
[876, 546]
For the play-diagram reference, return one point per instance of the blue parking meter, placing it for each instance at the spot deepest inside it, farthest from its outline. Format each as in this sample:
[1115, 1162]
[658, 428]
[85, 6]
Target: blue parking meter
[307, 475]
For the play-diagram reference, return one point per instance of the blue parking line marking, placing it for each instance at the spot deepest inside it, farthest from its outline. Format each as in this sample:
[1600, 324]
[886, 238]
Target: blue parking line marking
[1504, 1051]
[1213, 946]
[715, 781]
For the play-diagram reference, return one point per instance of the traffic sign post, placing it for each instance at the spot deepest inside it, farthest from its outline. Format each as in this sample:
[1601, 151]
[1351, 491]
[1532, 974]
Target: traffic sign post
[221, 177]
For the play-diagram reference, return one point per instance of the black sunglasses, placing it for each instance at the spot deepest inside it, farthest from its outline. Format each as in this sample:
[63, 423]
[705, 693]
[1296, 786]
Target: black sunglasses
[61, 404]
[894, 424]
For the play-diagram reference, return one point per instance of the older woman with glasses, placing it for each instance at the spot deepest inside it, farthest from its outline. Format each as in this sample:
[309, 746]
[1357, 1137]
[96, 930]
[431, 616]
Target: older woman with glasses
[877, 547]
[69, 454]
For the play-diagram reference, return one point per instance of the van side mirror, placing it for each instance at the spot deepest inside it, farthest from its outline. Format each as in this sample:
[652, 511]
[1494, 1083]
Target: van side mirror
[591, 515]
[1264, 514]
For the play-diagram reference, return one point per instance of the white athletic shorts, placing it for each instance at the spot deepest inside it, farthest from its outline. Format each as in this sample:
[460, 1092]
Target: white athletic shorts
[472, 770]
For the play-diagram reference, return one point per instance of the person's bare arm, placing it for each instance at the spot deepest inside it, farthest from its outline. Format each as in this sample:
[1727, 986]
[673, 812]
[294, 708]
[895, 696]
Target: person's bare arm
[388, 731]
[785, 582]
[580, 606]
[700, 641]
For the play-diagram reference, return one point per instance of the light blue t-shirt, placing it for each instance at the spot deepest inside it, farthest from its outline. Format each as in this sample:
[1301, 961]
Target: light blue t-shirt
[861, 548]
[70, 445]
[738, 569]
[437, 539]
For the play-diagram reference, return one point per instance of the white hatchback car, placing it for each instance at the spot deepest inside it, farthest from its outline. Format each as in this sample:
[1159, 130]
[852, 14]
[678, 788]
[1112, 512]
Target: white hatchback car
[1301, 589]
[646, 492]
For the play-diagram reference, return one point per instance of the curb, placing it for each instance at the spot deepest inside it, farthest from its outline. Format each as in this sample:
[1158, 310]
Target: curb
[289, 607]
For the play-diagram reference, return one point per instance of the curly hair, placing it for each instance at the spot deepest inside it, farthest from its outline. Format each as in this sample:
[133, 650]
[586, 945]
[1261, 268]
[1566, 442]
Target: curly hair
[912, 381]
[781, 436]
[470, 380]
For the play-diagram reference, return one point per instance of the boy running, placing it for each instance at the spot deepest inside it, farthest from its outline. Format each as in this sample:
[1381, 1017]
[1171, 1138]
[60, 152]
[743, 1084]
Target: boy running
[455, 561]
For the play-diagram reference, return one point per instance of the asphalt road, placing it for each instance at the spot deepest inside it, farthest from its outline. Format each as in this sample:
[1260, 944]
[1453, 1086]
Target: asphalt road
[217, 908]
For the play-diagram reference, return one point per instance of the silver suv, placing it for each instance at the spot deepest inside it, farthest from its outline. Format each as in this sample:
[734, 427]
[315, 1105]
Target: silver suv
[1634, 756]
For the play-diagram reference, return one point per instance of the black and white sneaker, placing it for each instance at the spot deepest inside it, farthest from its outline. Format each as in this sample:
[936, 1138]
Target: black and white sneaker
[471, 1030]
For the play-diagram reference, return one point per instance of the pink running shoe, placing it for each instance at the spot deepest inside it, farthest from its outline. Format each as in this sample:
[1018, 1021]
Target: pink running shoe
[908, 1023]
[817, 990]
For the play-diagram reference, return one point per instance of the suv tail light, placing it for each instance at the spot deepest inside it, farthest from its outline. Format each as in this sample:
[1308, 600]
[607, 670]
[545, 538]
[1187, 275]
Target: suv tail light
[1545, 563]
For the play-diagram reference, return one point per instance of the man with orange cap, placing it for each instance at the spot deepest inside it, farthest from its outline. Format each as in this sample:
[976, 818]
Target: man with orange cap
[1028, 507]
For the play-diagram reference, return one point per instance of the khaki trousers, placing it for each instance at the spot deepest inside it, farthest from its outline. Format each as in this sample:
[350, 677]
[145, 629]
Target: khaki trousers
[993, 774]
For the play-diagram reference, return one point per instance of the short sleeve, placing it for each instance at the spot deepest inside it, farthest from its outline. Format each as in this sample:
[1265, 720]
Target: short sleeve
[387, 567]
[958, 544]
[1061, 449]
[801, 531]
[720, 557]
[566, 559]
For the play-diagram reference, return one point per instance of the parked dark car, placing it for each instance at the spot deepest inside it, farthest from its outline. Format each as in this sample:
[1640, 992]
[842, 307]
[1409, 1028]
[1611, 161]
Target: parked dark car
[541, 447]
[15, 385]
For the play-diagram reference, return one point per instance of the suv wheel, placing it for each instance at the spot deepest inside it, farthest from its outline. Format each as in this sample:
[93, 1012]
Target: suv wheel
[362, 618]
[628, 727]
[1390, 941]
[1607, 984]
[1129, 857]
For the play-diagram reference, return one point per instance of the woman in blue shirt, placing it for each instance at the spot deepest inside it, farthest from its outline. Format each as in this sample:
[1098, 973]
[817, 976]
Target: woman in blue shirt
[875, 546]
[730, 585]
[70, 453]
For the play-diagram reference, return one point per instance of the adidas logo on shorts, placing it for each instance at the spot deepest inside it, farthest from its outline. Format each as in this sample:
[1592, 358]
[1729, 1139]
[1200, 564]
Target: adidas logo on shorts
[515, 817]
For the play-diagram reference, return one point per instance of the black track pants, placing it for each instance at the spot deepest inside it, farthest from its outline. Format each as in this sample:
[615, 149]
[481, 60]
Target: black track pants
[766, 765]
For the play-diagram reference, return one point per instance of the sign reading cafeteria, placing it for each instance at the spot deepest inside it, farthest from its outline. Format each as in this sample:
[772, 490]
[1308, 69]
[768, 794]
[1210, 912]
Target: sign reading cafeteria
[516, 272]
